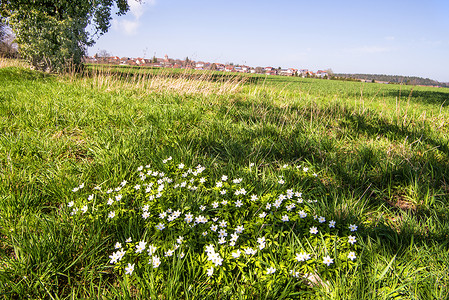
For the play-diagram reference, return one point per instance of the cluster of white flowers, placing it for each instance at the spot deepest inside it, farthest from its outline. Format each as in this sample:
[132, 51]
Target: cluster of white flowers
[212, 224]
[271, 270]
[242, 191]
[117, 256]
[173, 216]
[236, 181]
[250, 251]
[167, 160]
[155, 261]
[213, 256]
[303, 256]
[200, 220]
[76, 189]
[295, 274]
[261, 242]
[141, 246]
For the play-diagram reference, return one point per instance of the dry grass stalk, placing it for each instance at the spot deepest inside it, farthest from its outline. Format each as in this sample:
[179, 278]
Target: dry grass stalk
[11, 62]
[185, 83]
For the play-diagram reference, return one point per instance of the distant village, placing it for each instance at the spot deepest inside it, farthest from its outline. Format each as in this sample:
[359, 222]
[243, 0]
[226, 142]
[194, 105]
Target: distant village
[167, 62]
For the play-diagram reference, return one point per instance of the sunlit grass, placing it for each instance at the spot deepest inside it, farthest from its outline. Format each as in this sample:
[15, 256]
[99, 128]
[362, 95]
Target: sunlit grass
[380, 153]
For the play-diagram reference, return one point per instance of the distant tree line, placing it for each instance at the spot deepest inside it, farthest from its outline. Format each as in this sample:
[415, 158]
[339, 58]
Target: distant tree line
[410, 80]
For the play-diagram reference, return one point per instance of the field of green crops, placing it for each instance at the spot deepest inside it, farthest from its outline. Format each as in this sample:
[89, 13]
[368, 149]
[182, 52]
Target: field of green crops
[126, 183]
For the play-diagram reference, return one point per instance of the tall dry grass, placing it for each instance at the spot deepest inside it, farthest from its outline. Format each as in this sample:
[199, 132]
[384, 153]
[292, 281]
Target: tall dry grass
[12, 62]
[149, 81]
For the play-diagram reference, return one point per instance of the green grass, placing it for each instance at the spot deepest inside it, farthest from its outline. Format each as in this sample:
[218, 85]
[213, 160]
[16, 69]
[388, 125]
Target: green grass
[381, 153]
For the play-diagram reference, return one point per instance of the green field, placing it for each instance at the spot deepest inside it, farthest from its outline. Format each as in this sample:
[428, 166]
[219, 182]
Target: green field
[365, 154]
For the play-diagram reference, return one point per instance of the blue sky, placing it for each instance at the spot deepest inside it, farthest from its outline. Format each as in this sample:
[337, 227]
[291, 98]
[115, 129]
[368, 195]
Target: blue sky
[394, 37]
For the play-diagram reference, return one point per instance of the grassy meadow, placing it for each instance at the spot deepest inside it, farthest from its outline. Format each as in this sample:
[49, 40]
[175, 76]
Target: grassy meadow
[365, 154]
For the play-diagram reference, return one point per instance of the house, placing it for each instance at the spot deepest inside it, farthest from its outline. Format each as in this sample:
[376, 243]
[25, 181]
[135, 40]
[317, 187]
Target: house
[287, 72]
[124, 60]
[220, 67]
[245, 69]
[321, 73]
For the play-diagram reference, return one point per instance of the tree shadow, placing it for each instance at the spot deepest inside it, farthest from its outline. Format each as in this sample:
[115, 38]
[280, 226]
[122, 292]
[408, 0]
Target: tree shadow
[262, 132]
[259, 139]
[440, 97]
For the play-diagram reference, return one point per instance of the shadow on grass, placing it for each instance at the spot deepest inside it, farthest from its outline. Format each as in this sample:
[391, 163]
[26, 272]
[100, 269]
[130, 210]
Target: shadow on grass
[259, 139]
[440, 98]
[265, 134]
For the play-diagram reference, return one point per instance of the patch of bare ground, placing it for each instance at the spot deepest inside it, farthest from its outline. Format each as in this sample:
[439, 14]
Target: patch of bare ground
[76, 149]
[401, 202]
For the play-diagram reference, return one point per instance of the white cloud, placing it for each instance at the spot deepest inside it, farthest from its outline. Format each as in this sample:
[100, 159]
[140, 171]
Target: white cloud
[390, 38]
[137, 8]
[130, 23]
[126, 26]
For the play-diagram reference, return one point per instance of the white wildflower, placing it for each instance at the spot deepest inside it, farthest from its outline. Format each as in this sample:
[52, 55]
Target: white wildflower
[351, 240]
[141, 246]
[353, 227]
[351, 255]
[160, 226]
[239, 229]
[129, 269]
[327, 260]
[313, 230]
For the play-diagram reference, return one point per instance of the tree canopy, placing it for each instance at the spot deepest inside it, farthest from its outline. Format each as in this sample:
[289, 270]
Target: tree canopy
[54, 34]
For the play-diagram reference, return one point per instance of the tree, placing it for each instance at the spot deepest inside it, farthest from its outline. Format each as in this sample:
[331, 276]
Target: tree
[104, 54]
[52, 35]
[330, 72]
